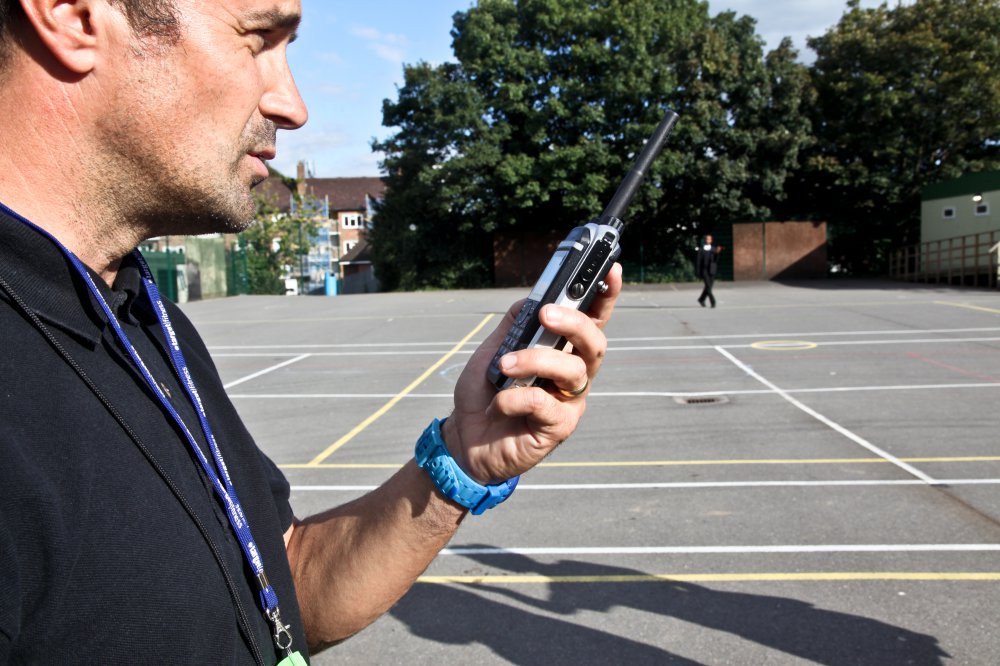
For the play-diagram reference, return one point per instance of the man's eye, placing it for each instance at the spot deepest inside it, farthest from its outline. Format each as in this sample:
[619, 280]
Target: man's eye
[261, 39]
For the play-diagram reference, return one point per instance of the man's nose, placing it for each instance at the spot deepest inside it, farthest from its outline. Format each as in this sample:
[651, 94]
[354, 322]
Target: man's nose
[281, 102]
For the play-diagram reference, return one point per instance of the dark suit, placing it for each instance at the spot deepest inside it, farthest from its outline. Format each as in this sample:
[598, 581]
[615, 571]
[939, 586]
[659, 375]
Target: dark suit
[706, 266]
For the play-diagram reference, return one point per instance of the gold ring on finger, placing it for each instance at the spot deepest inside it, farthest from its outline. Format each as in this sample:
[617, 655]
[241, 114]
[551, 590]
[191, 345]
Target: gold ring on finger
[575, 393]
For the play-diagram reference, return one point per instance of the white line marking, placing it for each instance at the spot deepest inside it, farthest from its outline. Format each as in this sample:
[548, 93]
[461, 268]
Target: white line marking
[351, 345]
[736, 336]
[611, 347]
[627, 394]
[266, 370]
[832, 343]
[837, 343]
[754, 484]
[822, 419]
[817, 334]
[722, 550]
[425, 352]
[702, 484]
[819, 389]
[337, 396]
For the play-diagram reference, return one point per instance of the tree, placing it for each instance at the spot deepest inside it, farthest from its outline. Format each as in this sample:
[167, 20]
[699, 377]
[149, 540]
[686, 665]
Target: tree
[276, 241]
[540, 117]
[907, 96]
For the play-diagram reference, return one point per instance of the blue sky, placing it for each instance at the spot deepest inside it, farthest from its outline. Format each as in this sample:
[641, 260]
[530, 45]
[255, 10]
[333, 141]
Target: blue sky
[350, 55]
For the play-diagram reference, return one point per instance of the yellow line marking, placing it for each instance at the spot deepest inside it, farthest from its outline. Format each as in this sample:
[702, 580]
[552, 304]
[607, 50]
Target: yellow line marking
[783, 345]
[340, 466]
[776, 461]
[968, 307]
[330, 450]
[626, 309]
[718, 578]
[676, 463]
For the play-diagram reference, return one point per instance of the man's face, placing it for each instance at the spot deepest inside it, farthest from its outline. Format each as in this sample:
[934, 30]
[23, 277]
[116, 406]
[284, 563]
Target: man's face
[189, 123]
[708, 240]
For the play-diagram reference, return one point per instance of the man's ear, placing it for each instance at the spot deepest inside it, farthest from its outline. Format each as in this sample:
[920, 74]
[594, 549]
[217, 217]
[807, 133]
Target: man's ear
[68, 29]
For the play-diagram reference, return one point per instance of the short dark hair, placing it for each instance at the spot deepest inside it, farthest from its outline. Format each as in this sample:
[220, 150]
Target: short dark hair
[147, 18]
[10, 13]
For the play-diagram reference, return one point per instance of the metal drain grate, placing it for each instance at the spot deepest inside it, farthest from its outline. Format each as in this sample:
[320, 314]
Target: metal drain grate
[701, 400]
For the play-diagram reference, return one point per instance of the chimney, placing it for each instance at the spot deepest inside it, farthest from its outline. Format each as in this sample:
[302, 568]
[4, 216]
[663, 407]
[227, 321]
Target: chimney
[300, 178]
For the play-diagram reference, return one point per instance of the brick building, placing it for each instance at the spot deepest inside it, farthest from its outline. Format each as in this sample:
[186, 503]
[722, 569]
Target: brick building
[340, 246]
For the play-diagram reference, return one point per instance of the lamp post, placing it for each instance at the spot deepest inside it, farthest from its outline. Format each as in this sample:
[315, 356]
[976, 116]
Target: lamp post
[302, 267]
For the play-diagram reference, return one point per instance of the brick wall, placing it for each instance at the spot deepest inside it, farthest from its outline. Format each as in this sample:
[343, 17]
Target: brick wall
[518, 258]
[779, 250]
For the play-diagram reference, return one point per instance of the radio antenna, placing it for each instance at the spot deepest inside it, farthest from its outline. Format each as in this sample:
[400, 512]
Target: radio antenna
[630, 185]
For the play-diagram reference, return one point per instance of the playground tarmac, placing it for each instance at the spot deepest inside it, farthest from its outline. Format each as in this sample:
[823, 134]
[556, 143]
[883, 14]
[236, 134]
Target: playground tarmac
[808, 473]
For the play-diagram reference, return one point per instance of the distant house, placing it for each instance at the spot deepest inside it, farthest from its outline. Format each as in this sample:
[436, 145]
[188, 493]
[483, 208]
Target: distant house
[961, 207]
[346, 206]
[959, 227]
[358, 276]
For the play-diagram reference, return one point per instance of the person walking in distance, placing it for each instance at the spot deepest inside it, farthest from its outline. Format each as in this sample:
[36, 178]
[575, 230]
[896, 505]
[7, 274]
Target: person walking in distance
[706, 266]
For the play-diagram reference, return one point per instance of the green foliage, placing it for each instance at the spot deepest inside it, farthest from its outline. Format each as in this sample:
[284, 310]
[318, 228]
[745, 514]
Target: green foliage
[543, 113]
[275, 243]
[540, 117]
[678, 267]
[907, 96]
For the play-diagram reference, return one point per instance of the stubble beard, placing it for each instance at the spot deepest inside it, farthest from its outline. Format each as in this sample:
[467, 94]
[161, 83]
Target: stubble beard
[157, 198]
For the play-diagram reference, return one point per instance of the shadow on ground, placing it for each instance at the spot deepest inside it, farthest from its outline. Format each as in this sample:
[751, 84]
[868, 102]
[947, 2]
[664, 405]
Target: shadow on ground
[462, 615]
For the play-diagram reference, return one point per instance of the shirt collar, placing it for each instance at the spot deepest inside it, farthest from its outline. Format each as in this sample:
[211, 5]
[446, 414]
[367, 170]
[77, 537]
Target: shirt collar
[42, 276]
[125, 296]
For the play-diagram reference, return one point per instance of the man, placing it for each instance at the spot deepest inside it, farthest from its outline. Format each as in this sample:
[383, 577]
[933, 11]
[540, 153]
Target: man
[706, 266]
[138, 521]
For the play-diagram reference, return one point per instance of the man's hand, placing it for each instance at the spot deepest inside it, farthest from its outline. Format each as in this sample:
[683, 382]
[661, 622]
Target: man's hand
[352, 562]
[497, 435]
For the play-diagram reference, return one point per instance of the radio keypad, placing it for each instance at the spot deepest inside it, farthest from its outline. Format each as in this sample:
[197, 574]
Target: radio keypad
[513, 341]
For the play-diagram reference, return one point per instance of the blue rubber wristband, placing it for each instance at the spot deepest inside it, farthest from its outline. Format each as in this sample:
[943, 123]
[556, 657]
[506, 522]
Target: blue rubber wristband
[432, 455]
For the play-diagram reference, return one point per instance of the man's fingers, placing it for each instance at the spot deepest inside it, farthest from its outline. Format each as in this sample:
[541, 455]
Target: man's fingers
[568, 372]
[604, 304]
[551, 420]
[582, 332]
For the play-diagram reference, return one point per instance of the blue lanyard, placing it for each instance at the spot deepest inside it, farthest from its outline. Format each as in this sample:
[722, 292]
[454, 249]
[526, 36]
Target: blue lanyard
[223, 485]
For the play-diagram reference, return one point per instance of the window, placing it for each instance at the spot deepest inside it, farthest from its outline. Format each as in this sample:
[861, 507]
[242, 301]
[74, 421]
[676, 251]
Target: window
[351, 221]
[982, 209]
[948, 213]
[349, 245]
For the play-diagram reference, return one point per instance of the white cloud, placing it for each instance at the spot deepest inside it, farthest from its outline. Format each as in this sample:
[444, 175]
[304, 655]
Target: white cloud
[388, 53]
[307, 143]
[334, 90]
[331, 57]
[333, 150]
[387, 46]
[797, 19]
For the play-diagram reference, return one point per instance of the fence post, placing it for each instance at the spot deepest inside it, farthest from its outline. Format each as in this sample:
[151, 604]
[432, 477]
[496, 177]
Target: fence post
[951, 259]
[995, 274]
[961, 260]
[978, 254]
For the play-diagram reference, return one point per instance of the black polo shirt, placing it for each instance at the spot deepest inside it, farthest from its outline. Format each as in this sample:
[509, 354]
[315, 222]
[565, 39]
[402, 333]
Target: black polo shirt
[102, 560]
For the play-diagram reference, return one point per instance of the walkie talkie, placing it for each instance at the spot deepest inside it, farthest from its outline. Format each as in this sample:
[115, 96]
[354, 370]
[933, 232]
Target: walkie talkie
[575, 273]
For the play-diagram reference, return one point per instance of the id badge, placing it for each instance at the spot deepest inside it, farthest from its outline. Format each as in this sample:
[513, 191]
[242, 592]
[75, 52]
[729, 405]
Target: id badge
[294, 659]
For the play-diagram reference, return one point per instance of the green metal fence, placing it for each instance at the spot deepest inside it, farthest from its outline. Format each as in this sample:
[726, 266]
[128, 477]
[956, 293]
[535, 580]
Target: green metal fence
[215, 271]
[237, 269]
[164, 266]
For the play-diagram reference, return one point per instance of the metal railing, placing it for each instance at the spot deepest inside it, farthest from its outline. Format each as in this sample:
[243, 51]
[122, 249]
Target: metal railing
[964, 260]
